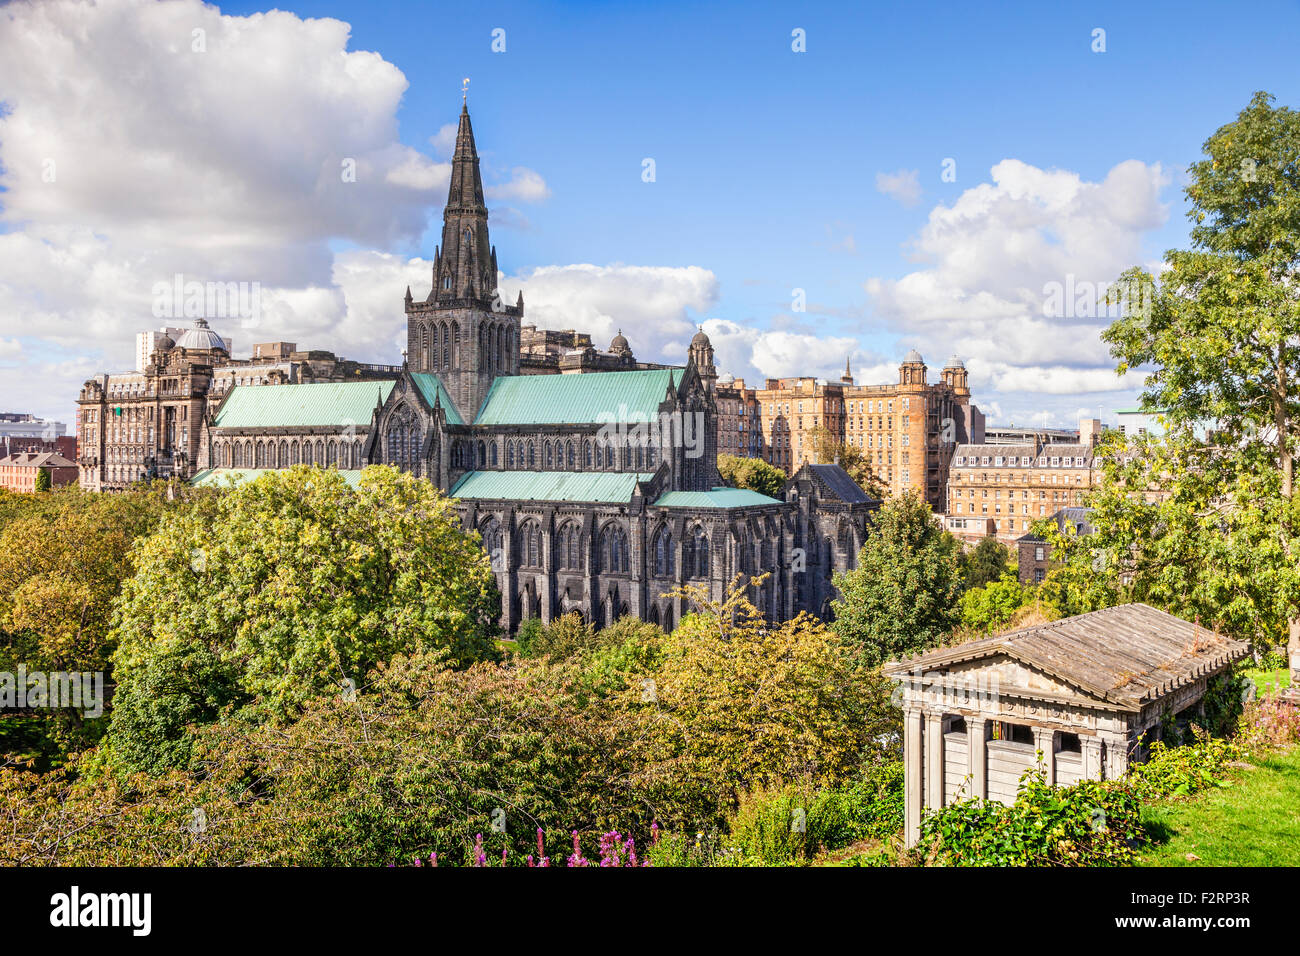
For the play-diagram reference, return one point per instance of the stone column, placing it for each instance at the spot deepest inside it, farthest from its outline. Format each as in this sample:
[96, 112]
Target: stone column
[1116, 757]
[934, 760]
[1045, 741]
[977, 756]
[913, 791]
[1091, 758]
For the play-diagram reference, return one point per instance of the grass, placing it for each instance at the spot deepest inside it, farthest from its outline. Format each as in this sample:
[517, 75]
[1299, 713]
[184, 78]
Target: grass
[1254, 820]
[1267, 679]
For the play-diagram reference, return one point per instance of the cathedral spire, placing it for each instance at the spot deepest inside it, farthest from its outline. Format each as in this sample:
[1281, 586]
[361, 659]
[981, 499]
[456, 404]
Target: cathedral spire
[465, 264]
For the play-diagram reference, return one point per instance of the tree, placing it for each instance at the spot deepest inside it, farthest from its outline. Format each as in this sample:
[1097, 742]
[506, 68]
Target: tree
[902, 597]
[992, 606]
[1219, 334]
[301, 583]
[42, 480]
[988, 561]
[752, 473]
[828, 449]
[737, 702]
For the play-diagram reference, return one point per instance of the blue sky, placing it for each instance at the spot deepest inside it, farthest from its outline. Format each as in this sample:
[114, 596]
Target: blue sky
[767, 160]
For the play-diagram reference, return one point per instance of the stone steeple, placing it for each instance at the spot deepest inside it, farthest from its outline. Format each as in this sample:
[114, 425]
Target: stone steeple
[464, 332]
[465, 265]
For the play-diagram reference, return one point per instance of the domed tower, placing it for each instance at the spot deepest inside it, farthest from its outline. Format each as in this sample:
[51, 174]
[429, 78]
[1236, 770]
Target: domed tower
[201, 339]
[701, 353]
[619, 347]
[954, 375]
[912, 371]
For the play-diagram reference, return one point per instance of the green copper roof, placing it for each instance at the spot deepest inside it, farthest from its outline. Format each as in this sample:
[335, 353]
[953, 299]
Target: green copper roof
[575, 399]
[432, 389]
[313, 406]
[715, 498]
[223, 477]
[607, 486]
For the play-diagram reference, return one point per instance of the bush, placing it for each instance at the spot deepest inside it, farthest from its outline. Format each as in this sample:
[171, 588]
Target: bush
[1181, 771]
[794, 823]
[1089, 824]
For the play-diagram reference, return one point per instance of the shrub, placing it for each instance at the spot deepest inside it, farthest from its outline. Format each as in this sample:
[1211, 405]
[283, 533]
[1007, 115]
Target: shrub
[1089, 824]
[1269, 723]
[1181, 771]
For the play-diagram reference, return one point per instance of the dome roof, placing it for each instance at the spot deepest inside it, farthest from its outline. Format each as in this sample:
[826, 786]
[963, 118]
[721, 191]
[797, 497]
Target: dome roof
[913, 356]
[700, 340]
[954, 362]
[200, 337]
[620, 343]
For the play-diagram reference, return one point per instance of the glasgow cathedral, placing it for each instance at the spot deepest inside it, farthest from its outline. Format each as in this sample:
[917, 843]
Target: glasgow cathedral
[594, 491]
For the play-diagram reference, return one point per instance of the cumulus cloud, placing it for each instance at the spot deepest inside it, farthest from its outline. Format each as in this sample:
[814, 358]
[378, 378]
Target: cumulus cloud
[524, 185]
[992, 258]
[650, 304]
[904, 185]
[141, 141]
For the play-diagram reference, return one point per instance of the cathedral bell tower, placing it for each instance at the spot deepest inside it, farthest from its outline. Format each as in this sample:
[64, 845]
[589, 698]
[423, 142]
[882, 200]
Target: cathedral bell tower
[463, 332]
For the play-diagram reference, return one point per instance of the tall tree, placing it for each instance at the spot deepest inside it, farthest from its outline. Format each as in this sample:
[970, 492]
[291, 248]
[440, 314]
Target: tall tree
[988, 561]
[752, 473]
[903, 595]
[299, 584]
[1219, 333]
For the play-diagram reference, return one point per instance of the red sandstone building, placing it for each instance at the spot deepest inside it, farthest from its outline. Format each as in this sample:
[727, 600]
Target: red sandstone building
[19, 472]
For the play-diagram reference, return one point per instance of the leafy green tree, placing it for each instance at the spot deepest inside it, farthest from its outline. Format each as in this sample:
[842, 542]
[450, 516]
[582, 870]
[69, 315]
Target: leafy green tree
[1208, 527]
[752, 473]
[903, 595]
[992, 606]
[302, 584]
[43, 480]
[988, 561]
[63, 558]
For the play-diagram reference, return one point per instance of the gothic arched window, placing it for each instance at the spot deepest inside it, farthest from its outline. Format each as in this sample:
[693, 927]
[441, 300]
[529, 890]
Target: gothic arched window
[664, 553]
[568, 555]
[530, 545]
[569, 455]
[510, 454]
[695, 553]
[613, 549]
[532, 455]
[491, 532]
[492, 455]
[586, 454]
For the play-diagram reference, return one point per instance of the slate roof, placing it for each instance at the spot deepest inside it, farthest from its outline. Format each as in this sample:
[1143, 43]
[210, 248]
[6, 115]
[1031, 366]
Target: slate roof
[576, 399]
[319, 405]
[839, 483]
[598, 486]
[1126, 656]
[223, 477]
[38, 459]
[715, 498]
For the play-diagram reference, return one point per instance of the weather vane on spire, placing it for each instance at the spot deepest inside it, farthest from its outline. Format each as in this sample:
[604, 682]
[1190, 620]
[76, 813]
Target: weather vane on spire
[464, 90]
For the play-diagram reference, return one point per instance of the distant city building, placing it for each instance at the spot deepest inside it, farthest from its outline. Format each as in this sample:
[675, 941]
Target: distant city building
[22, 425]
[147, 423]
[19, 472]
[552, 352]
[906, 431]
[1033, 553]
[146, 343]
[1001, 490]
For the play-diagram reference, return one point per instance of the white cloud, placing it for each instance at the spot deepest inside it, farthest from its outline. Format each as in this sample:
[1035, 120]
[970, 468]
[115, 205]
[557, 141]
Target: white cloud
[904, 185]
[651, 305]
[989, 258]
[524, 185]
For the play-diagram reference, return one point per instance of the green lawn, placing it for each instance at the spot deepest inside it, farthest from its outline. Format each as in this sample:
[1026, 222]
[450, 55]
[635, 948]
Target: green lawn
[1253, 821]
[1268, 681]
